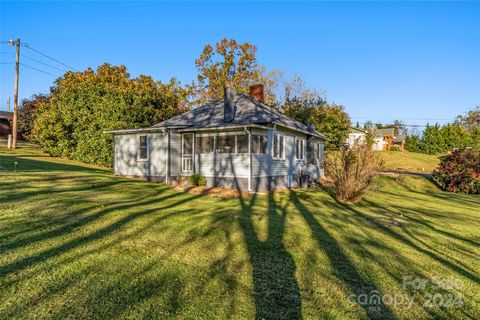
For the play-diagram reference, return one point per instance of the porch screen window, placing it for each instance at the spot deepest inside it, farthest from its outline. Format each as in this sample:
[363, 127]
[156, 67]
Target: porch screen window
[299, 149]
[226, 144]
[204, 144]
[143, 148]
[259, 144]
[279, 146]
[242, 143]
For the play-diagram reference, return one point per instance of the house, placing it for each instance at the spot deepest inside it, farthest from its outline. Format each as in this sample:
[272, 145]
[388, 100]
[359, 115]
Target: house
[356, 135]
[399, 142]
[238, 142]
[6, 119]
[383, 138]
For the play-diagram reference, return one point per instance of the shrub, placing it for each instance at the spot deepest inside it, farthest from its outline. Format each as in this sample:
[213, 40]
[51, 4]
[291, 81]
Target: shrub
[84, 104]
[198, 180]
[459, 171]
[352, 170]
[394, 148]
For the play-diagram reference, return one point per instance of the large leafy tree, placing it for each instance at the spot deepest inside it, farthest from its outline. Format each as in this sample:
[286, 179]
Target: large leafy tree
[28, 113]
[84, 104]
[234, 63]
[329, 119]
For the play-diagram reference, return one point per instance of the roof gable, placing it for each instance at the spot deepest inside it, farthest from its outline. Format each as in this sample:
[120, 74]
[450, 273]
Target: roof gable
[248, 111]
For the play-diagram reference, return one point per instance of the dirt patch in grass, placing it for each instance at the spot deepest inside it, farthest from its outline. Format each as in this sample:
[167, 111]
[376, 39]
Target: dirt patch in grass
[211, 191]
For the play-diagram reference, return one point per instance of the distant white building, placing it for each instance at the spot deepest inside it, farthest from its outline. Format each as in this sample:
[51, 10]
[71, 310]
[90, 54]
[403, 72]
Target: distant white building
[356, 135]
[383, 139]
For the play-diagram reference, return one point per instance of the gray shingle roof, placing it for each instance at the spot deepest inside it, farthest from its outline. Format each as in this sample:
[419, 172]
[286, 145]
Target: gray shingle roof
[248, 111]
[379, 133]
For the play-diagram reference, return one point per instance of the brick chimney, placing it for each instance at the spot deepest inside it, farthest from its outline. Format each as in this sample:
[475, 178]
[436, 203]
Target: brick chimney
[256, 92]
[228, 104]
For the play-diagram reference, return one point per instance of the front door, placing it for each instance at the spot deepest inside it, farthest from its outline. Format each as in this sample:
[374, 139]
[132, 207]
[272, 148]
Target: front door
[187, 152]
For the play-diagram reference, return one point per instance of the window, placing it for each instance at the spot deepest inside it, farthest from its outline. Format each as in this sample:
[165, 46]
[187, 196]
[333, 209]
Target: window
[242, 143]
[204, 144]
[143, 148]
[259, 144]
[226, 144]
[278, 146]
[299, 150]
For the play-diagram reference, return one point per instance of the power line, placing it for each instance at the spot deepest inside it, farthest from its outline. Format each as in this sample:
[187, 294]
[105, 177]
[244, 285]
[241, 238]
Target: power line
[33, 68]
[47, 56]
[45, 64]
[419, 119]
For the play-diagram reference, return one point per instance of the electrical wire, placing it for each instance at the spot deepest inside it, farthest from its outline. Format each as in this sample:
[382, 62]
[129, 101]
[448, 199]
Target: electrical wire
[47, 56]
[36, 69]
[45, 64]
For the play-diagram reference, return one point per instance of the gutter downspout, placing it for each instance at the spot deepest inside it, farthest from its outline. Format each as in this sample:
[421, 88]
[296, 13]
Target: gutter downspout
[167, 157]
[249, 132]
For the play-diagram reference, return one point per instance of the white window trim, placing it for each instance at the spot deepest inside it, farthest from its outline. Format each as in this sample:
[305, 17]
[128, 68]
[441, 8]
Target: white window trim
[148, 147]
[303, 149]
[282, 156]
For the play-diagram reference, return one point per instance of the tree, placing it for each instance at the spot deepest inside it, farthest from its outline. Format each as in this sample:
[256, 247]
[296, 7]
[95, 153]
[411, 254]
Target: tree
[412, 143]
[28, 113]
[84, 104]
[432, 140]
[234, 63]
[329, 119]
[471, 120]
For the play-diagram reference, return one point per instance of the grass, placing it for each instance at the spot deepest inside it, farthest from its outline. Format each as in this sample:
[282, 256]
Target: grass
[409, 161]
[78, 242]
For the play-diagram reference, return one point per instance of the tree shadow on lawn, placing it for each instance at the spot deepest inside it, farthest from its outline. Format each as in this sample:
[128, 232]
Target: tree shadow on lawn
[344, 267]
[26, 164]
[395, 235]
[26, 262]
[277, 295]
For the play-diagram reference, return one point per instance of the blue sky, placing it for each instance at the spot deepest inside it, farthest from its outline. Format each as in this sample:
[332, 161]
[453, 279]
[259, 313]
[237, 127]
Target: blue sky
[381, 60]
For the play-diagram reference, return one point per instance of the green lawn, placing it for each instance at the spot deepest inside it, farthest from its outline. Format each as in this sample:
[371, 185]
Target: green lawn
[78, 242]
[409, 161]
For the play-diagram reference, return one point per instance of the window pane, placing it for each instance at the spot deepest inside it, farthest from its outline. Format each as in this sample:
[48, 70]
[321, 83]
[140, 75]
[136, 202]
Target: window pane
[275, 146]
[187, 143]
[282, 147]
[204, 145]
[259, 144]
[254, 144]
[263, 144]
[242, 143]
[143, 141]
[142, 149]
[225, 144]
[143, 152]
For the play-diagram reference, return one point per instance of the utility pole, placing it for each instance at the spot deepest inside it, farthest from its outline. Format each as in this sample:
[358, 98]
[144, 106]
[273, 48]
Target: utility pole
[15, 93]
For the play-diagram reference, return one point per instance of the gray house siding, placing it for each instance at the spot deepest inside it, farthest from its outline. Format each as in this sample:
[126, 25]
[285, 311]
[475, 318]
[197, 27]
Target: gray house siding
[264, 165]
[229, 170]
[127, 163]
